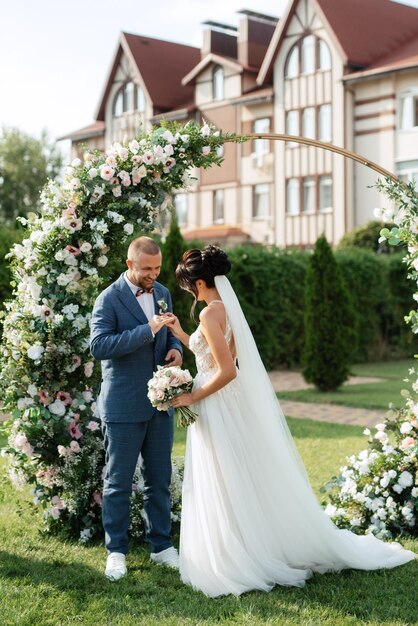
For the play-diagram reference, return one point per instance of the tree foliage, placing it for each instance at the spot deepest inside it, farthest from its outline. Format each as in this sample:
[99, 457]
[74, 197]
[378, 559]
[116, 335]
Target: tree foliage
[26, 163]
[329, 321]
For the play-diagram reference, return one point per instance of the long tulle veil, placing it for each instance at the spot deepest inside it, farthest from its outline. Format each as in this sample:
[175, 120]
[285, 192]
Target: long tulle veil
[260, 395]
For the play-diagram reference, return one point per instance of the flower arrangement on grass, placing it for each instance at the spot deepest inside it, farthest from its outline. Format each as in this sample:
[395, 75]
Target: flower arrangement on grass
[377, 491]
[48, 378]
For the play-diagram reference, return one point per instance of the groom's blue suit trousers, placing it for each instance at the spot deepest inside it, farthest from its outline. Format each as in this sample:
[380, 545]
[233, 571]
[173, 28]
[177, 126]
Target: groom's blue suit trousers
[124, 442]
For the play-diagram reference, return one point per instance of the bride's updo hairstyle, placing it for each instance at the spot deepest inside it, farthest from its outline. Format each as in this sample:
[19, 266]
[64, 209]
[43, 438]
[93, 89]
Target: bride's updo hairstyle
[201, 265]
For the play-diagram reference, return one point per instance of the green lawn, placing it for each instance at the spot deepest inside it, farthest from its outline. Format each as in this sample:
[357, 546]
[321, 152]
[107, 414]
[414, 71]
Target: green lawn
[44, 581]
[369, 396]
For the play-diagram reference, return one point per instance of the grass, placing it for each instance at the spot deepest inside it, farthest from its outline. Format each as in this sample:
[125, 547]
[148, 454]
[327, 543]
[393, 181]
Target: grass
[47, 582]
[369, 396]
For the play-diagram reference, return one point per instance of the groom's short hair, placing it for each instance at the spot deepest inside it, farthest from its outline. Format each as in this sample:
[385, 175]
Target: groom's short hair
[142, 244]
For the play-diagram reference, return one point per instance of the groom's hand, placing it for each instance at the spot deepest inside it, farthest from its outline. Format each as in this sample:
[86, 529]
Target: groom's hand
[173, 357]
[157, 322]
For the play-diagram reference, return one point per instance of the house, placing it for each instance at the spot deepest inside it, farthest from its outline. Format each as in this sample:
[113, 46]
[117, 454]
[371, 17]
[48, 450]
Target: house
[343, 72]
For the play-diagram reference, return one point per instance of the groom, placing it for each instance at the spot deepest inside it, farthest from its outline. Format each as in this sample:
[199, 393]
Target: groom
[130, 338]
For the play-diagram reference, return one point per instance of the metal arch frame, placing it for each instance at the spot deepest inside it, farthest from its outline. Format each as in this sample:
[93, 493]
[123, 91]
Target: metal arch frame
[325, 146]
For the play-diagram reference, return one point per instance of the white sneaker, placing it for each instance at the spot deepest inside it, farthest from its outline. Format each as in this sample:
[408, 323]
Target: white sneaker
[169, 557]
[115, 566]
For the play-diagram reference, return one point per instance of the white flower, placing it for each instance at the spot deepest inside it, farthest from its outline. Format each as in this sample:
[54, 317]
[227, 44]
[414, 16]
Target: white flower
[366, 431]
[85, 247]
[169, 137]
[36, 351]
[134, 146]
[57, 408]
[98, 192]
[138, 174]
[205, 130]
[111, 161]
[93, 172]
[69, 310]
[115, 217]
[106, 172]
[74, 183]
[129, 229]
[76, 162]
[88, 369]
[72, 223]
[206, 150]
[405, 428]
[405, 479]
[117, 191]
[102, 260]
[123, 153]
[148, 157]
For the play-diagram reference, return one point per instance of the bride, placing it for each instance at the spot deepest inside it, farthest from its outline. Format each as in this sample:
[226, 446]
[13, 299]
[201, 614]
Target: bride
[250, 519]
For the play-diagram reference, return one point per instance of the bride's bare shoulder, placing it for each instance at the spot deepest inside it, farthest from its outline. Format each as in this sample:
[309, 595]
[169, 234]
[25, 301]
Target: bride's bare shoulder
[212, 314]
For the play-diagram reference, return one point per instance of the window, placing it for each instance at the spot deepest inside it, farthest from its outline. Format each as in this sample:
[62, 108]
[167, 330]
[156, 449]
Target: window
[292, 125]
[118, 104]
[308, 122]
[324, 123]
[180, 204]
[308, 194]
[408, 171]
[292, 63]
[128, 103]
[262, 125]
[292, 196]
[261, 201]
[218, 206]
[324, 56]
[218, 83]
[409, 111]
[325, 193]
[308, 54]
[140, 99]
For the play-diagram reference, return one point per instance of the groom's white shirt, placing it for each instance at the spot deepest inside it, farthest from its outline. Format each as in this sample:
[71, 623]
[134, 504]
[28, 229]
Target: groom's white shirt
[145, 300]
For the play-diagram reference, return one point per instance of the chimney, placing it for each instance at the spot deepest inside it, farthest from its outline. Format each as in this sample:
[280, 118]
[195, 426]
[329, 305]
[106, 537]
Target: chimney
[219, 39]
[254, 35]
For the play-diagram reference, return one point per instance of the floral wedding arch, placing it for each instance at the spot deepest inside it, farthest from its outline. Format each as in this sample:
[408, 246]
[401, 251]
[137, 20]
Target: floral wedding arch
[48, 377]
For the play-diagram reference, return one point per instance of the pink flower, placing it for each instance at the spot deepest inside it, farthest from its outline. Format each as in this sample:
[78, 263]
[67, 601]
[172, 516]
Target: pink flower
[126, 181]
[76, 361]
[111, 161]
[88, 369]
[97, 497]
[92, 425]
[57, 502]
[74, 430]
[75, 447]
[72, 224]
[64, 396]
[117, 191]
[106, 172]
[408, 442]
[43, 397]
[73, 250]
[137, 159]
[62, 450]
[54, 512]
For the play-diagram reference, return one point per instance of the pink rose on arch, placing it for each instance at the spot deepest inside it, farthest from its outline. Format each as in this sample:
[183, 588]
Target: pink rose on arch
[64, 396]
[97, 497]
[92, 426]
[74, 447]
[88, 369]
[408, 442]
[57, 502]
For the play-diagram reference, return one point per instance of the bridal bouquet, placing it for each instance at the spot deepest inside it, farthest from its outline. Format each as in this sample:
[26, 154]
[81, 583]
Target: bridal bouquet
[167, 383]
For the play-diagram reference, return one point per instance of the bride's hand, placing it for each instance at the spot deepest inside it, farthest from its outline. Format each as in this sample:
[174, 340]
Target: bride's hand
[184, 400]
[173, 324]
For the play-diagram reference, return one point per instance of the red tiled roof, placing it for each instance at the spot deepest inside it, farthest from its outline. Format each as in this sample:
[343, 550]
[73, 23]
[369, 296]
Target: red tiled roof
[92, 130]
[162, 65]
[365, 31]
[368, 30]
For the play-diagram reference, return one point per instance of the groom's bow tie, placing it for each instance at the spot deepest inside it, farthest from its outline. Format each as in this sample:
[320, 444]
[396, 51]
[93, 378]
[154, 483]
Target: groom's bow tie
[141, 290]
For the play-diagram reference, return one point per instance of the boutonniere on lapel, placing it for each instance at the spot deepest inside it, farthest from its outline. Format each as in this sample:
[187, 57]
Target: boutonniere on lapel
[163, 306]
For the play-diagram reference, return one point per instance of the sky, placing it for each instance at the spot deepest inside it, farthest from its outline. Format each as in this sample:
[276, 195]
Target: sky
[55, 56]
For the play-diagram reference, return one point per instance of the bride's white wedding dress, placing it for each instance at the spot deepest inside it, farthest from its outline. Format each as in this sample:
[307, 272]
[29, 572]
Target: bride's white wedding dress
[250, 519]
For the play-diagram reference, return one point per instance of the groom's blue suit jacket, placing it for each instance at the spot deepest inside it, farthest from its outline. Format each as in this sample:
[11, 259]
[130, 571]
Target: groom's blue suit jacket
[122, 340]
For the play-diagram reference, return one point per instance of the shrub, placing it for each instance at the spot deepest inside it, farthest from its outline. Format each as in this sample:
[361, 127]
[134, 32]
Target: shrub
[329, 321]
[8, 236]
[367, 236]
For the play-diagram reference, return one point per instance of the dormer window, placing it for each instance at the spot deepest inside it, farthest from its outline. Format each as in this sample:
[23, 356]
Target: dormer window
[218, 83]
[130, 97]
[308, 55]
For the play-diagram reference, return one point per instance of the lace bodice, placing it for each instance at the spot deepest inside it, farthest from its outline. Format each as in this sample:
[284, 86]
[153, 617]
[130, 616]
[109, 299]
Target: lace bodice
[199, 346]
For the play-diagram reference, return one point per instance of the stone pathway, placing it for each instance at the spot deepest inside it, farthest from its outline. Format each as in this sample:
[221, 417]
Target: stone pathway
[293, 381]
